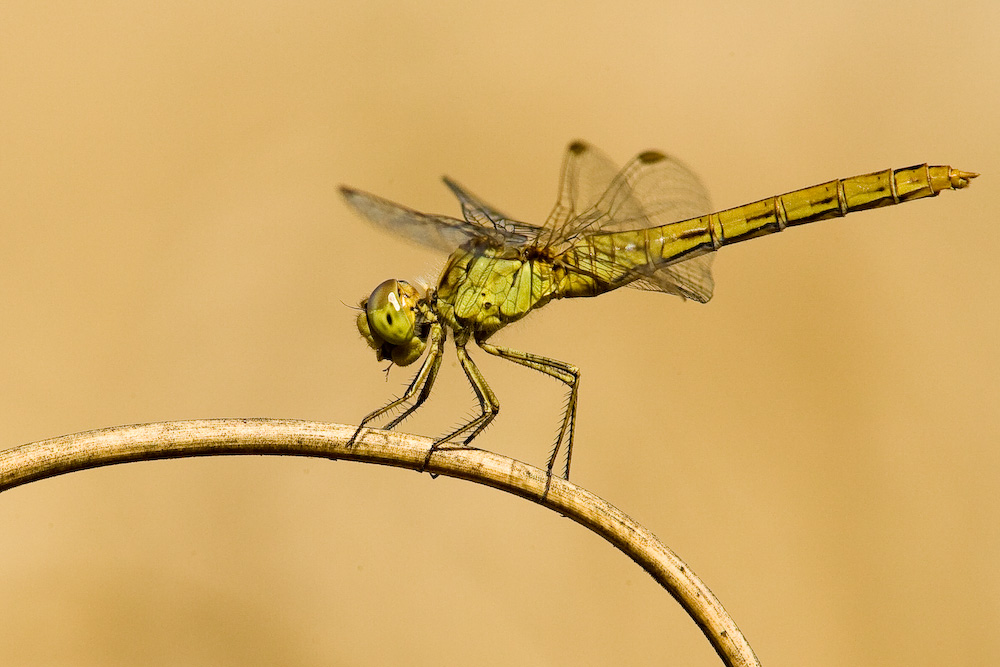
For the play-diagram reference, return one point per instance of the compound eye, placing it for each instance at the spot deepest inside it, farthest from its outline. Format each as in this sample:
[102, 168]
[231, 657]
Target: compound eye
[390, 312]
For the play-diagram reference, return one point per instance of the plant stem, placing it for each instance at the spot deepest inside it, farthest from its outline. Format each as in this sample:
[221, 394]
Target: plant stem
[212, 437]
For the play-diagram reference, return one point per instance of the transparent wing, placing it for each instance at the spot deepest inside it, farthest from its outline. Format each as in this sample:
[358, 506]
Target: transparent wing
[586, 174]
[594, 195]
[690, 279]
[436, 231]
[478, 212]
[651, 190]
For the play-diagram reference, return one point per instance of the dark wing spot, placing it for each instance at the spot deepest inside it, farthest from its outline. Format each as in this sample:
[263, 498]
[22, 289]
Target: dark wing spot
[651, 156]
[577, 147]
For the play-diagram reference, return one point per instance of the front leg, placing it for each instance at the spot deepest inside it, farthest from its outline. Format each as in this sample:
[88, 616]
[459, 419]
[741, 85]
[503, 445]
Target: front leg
[420, 386]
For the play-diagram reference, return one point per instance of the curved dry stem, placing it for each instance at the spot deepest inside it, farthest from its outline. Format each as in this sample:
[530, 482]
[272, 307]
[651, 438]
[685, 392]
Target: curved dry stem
[210, 437]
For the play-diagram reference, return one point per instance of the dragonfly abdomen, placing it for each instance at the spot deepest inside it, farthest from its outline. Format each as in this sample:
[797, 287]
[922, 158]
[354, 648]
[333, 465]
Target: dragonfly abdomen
[607, 260]
[830, 200]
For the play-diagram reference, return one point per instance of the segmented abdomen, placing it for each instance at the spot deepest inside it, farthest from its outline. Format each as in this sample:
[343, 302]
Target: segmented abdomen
[610, 259]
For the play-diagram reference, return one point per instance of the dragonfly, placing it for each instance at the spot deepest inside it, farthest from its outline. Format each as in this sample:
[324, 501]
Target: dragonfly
[648, 225]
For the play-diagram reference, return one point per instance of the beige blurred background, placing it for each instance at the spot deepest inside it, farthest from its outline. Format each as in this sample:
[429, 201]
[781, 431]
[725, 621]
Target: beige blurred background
[820, 442]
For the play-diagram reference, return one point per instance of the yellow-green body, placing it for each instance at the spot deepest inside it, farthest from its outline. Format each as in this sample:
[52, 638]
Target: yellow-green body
[483, 289]
[645, 227]
[482, 292]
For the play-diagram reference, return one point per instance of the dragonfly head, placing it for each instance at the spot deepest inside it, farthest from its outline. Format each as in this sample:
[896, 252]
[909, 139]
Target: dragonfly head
[388, 322]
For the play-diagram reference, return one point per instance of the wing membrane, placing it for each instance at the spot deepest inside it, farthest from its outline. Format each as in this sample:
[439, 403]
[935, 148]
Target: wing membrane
[586, 174]
[594, 196]
[478, 212]
[690, 279]
[436, 231]
[651, 190]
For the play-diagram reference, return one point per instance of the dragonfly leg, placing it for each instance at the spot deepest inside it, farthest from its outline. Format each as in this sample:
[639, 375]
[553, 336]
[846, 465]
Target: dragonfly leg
[488, 404]
[560, 370]
[420, 386]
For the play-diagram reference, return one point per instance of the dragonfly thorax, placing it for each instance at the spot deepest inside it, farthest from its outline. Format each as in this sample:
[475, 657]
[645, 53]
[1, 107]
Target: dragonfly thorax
[390, 322]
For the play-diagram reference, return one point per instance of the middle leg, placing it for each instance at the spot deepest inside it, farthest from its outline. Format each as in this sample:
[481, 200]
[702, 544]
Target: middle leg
[489, 406]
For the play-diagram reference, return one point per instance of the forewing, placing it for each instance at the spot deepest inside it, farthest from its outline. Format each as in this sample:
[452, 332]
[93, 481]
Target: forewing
[482, 214]
[436, 231]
